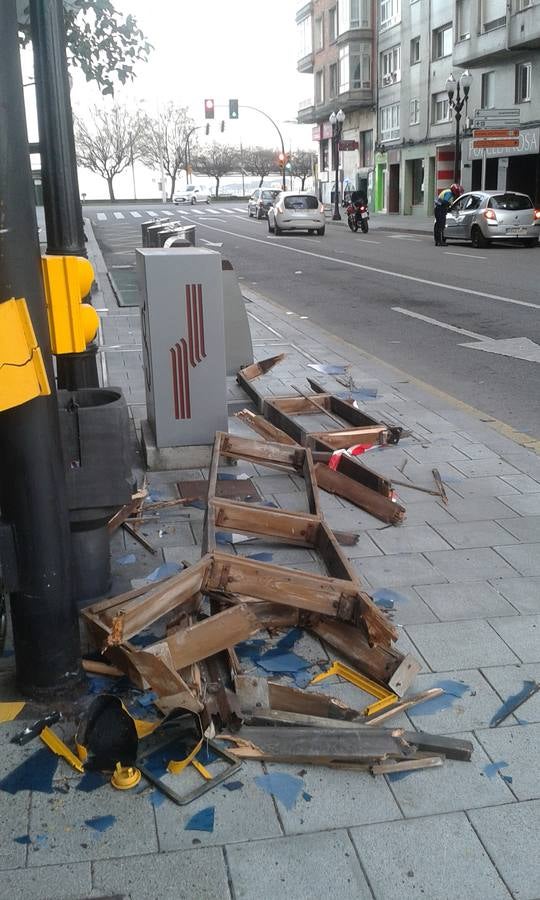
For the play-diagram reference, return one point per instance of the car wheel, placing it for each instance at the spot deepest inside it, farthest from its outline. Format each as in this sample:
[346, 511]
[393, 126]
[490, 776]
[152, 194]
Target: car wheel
[250, 214]
[532, 242]
[277, 229]
[270, 227]
[478, 240]
[321, 231]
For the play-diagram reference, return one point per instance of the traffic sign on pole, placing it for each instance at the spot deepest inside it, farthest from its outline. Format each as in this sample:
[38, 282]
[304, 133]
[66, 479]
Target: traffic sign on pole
[496, 118]
[484, 138]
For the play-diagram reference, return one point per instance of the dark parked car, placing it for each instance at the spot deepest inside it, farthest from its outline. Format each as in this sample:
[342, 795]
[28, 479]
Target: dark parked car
[260, 202]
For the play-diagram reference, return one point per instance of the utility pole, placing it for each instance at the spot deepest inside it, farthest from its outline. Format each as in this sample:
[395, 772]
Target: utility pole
[32, 482]
[61, 199]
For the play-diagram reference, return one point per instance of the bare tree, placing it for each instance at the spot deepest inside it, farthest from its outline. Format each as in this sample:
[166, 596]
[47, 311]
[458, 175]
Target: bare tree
[164, 140]
[109, 144]
[258, 161]
[215, 161]
[302, 162]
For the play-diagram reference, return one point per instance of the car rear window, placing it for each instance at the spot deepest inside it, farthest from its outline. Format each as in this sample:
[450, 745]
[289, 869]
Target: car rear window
[269, 195]
[511, 202]
[301, 203]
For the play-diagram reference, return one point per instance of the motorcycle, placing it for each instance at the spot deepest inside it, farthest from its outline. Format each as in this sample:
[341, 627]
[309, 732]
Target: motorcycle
[358, 217]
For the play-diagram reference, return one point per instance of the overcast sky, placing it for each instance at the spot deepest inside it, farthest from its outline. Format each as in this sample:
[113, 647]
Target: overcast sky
[222, 49]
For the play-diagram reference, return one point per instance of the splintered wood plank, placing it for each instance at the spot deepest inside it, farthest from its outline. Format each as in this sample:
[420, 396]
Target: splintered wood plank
[322, 745]
[293, 527]
[259, 424]
[374, 503]
[379, 663]
[328, 596]
[159, 674]
[261, 452]
[341, 440]
[312, 489]
[260, 367]
[407, 703]
[337, 565]
[257, 693]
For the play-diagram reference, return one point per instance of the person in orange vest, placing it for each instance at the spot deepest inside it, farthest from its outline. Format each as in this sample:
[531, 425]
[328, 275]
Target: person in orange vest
[442, 205]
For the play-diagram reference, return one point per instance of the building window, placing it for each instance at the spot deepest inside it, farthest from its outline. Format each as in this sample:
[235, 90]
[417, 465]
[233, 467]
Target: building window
[493, 14]
[390, 13]
[390, 122]
[354, 14]
[440, 108]
[463, 20]
[354, 67]
[332, 24]
[319, 86]
[488, 90]
[391, 65]
[333, 80]
[417, 182]
[303, 34]
[414, 112]
[523, 4]
[325, 156]
[366, 148]
[319, 33]
[442, 41]
[523, 82]
[415, 50]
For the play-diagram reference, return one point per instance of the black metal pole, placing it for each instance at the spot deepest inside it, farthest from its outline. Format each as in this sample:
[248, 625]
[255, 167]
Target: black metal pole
[32, 482]
[336, 131]
[458, 105]
[61, 199]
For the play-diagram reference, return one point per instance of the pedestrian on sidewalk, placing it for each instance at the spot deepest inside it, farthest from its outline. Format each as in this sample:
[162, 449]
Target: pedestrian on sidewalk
[442, 205]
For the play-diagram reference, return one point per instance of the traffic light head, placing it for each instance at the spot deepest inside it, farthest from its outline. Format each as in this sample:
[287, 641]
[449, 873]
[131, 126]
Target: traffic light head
[72, 323]
[281, 160]
[207, 129]
[233, 109]
[209, 109]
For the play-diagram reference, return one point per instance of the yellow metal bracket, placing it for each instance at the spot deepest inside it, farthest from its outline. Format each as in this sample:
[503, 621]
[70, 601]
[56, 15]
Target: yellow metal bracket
[57, 746]
[22, 371]
[385, 698]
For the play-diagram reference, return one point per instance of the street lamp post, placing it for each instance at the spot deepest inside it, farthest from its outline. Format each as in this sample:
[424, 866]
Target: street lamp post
[454, 89]
[336, 121]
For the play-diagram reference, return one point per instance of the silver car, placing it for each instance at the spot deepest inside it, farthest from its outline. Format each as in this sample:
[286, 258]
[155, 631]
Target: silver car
[295, 211]
[485, 216]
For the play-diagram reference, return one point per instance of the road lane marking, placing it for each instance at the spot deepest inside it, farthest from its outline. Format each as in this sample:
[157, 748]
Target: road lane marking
[466, 255]
[101, 217]
[430, 321]
[347, 262]
[405, 237]
[118, 215]
[237, 209]
[136, 215]
[150, 212]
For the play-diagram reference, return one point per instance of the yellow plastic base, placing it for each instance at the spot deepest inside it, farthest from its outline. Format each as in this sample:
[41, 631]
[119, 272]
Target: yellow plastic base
[125, 777]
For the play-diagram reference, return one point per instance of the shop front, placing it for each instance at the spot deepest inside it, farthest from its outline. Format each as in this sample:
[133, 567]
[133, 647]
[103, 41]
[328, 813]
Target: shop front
[512, 169]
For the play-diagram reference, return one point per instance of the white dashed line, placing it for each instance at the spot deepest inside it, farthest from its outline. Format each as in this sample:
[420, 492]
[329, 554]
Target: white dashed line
[118, 215]
[101, 217]
[136, 215]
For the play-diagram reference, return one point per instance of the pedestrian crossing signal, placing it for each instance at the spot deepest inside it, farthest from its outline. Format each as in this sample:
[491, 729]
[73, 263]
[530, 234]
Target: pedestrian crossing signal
[209, 109]
[233, 109]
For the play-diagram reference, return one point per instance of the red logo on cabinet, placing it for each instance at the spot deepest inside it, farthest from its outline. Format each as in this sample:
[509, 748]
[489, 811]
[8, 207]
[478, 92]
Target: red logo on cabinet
[188, 353]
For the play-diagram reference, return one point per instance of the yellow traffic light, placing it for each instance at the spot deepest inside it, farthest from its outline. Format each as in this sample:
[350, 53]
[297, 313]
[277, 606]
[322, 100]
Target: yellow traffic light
[72, 324]
[22, 371]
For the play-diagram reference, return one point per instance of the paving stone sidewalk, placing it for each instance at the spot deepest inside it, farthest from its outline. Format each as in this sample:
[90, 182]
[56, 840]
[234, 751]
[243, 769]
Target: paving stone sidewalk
[466, 578]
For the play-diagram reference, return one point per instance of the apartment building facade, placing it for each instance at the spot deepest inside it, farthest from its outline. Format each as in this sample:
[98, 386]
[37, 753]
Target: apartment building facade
[412, 131]
[336, 48]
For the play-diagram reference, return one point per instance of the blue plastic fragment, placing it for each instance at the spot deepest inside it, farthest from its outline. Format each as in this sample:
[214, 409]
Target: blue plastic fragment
[507, 778]
[250, 649]
[146, 699]
[163, 571]
[282, 663]
[144, 638]
[364, 393]
[302, 679]
[307, 797]
[206, 755]
[492, 769]
[233, 785]
[328, 368]
[452, 690]
[226, 476]
[154, 496]
[127, 560]
[270, 504]
[100, 823]
[262, 557]
[399, 776]
[202, 821]
[91, 781]
[34, 774]
[282, 786]
[156, 799]
[23, 839]
[386, 598]
[512, 702]
[289, 640]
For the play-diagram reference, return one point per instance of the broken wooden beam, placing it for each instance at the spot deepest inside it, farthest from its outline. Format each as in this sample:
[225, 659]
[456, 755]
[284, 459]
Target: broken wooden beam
[335, 482]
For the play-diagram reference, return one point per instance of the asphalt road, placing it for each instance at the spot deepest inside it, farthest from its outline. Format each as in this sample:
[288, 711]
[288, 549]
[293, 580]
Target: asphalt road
[424, 309]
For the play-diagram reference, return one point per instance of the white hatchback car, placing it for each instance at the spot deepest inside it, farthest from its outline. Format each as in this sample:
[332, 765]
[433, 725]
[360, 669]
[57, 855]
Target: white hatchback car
[296, 211]
[192, 193]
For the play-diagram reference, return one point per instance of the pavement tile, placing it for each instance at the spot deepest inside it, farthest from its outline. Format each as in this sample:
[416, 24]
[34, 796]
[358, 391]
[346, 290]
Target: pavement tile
[13, 823]
[471, 600]
[435, 453]
[405, 646]
[400, 569]
[467, 535]
[485, 486]
[526, 528]
[476, 451]
[448, 646]
[275, 484]
[522, 634]
[480, 508]
[46, 882]
[67, 839]
[525, 558]
[429, 511]
[246, 814]
[517, 861]
[339, 798]
[363, 547]
[178, 554]
[293, 500]
[408, 539]
[304, 866]
[508, 681]
[409, 609]
[523, 593]
[453, 787]
[518, 746]
[436, 858]
[176, 532]
[523, 483]
[469, 565]
[525, 460]
[474, 710]
[524, 504]
[477, 468]
[185, 875]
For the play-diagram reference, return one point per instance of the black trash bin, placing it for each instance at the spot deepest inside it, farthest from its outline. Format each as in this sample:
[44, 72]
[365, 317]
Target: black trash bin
[97, 455]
